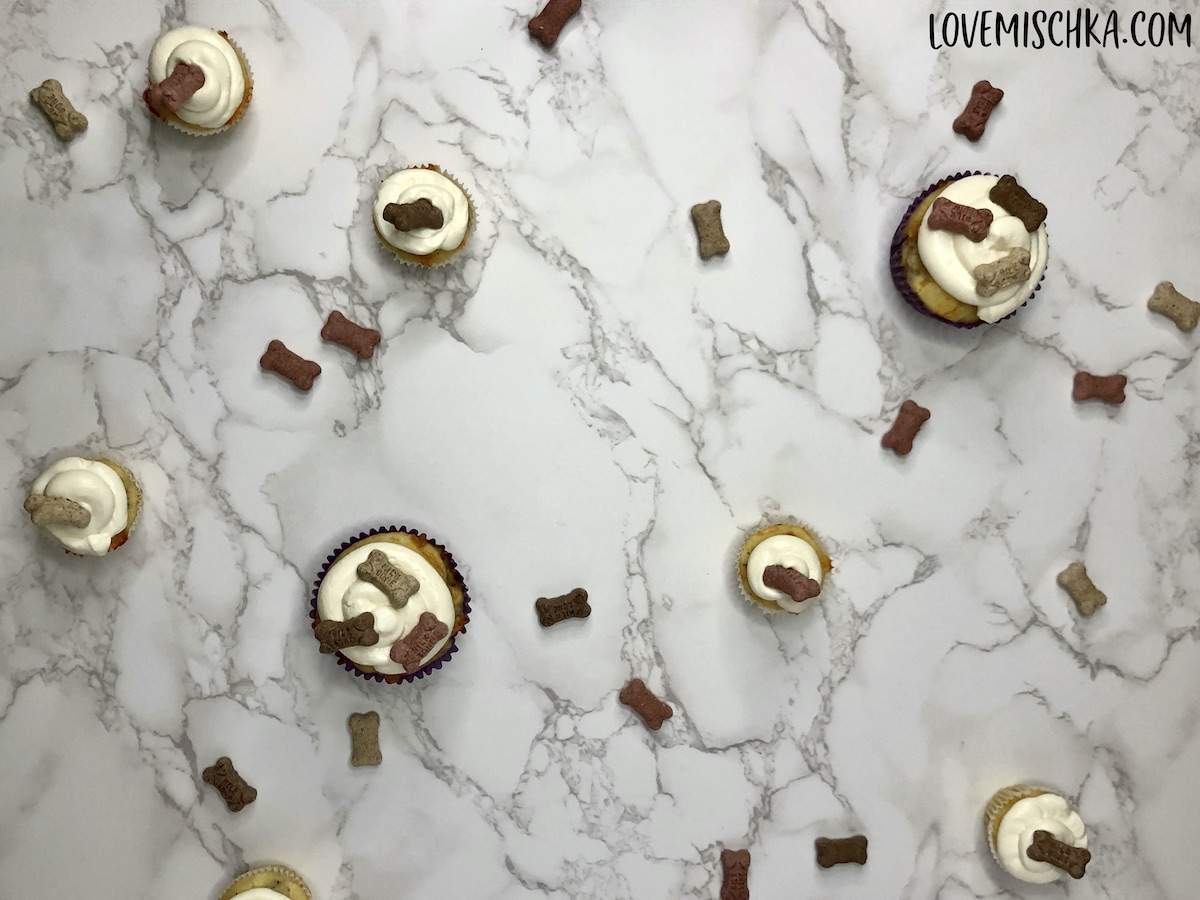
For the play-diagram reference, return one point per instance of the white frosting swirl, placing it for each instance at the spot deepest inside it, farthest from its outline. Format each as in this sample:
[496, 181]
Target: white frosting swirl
[260, 894]
[782, 550]
[408, 185]
[224, 79]
[97, 488]
[1045, 812]
[951, 258]
[343, 595]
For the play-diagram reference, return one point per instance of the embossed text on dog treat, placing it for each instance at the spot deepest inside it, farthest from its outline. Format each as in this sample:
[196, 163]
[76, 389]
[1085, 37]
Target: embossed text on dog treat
[547, 25]
[45, 510]
[735, 875]
[420, 213]
[66, 119]
[1046, 848]
[899, 437]
[1166, 301]
[358, 631]
[711, 233]
[1012, 268]
[364, 739]
[378, 570]
[836, 851]
[1008, 194]
[290, 366]
[174, 90]
[1075, 580]
[795, 584]
[359, 340]
[971, 223]
[972, 121]
[572, 605]
[1107, 388]
[415, 646]
[642, 701]
[232, 787]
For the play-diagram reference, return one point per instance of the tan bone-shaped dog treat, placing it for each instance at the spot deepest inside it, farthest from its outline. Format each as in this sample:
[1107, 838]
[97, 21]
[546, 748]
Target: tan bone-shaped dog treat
[1008, 194]
[735, 875]
[795, 584]
[711, 233]
[232, 787]
[1012, 268]
[1183, 311]
[364, 739]
[420, 213]
[1106, 388]
[972, 121]
[837, 851]
[355, 338]
[411, 649]
[393, 581]
[1046, 848]
[970, 222]
[290, 366]
[899, 438]
[45, 511]
[66, 119]
[1075, 580]
[358, 631]
[572, 605]
[642, 701]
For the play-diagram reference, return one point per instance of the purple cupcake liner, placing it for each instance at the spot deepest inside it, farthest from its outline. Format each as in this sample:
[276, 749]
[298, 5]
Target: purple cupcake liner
[451, 648]
[900, 279]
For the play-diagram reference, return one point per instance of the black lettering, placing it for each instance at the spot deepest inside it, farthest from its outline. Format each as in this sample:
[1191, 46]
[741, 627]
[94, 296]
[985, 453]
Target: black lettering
[1182, 28]
[1074, 28]
[1157, 29]
[947, 40]
[1135, 28]
[1111, 31]
[933, 44]
[969, 35]
[1008, 27]
[1039, 38]
[984, 36]
[1055, 18]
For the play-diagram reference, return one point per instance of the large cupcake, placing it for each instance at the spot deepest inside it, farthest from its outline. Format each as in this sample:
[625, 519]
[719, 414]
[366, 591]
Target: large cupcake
[1035, 835]
[267, 883]
[88, 505]
[782, 567]
[423, 216]
[969, 279]
[200, 81]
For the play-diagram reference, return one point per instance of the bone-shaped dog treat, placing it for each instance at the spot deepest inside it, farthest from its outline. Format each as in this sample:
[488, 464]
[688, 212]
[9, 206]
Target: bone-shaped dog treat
[1075, 580]
[45, 510]
[364, 739]
[340, 330]
[415, 646]
[1166, 301]
[419, 213]
[174, 90]
[66, 119]
[1108, 388]
[707, 219]
[972, 121]
[358, 631]
[1012, 268]
[971, 223]
[232, 787]
[572, 605]
[1049, 849]
[795, 584]
[1010, 196]
[899, 437]
[393, 581]
[642, 701]
[283, 362]
[735, 875]
[835, 851]
[547, 25]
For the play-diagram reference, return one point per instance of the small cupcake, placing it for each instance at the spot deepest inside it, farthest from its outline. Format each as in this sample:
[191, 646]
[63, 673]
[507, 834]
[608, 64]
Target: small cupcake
[88, 505]
[781, 566]
[1034, 834]
[200, 82]
[423, 216]
[267, 883]
[390, 604]
[970, 250]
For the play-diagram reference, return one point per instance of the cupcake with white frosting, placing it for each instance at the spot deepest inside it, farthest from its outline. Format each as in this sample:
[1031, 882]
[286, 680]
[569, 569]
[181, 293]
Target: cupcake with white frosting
[423, 216]
[200, 81]
[267, 883]
[1035, 835]
[88, 505]
[782, 567]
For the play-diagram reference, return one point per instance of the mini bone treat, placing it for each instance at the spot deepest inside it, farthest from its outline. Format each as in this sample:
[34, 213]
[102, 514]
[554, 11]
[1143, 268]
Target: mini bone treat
[1075, 580]
[899, 438]
[364, 739]
[972, 121]
[547, 25]
[795, 584]
[393, 581]
[1046, 848]
[836, 851]
[707, 219]
[420, 213]
[66, 119]
[45, 510]
[415, 646]
[232, 787]
[572, 605]
[971, 223]
[1106, 388]
[735, 875]
[642, 701]
[356, 632]
[1166, 301]
[1008, 194]
[290, 366]
[1012, 268]
[355, 338]
[174, 90]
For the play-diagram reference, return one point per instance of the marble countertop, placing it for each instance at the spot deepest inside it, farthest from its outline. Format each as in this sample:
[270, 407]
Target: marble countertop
[583, 401]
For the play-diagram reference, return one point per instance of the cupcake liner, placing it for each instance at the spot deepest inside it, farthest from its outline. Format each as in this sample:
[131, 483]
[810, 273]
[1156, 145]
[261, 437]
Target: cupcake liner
[460, 624]
[254, 877]
[900, 278]
[196, 131]
[1000, 803]
[748, 595]
[438, 258]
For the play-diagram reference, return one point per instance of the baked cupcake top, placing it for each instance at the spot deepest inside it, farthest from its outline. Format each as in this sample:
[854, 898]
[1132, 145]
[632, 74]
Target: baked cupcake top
[224, 86]
[97, 507]
[408, 186]
[1045, 812]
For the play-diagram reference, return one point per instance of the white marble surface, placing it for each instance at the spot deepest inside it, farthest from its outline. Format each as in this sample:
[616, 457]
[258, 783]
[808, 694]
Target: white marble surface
[584, 401]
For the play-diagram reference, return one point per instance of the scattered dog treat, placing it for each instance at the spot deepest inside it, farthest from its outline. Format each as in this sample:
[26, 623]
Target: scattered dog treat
[972, 121]
[415, 646]
[735, 875]
[356, 632]
[174, 90]
[292, 367]
[1010, 269]
[1049, 849]
[66, 119]
[547, 25]
[795, 584]
[707, 219]
[395, 582]
[1108, 388]
[572, 605]
[642, 701]
[1010, 196]
[232, 787]
[340, 330]
[971, 223]
[899, 437]
[411, 216]
[45, 510]
[1166, 301]
[836, 851]
[1075, 580]
[364, 739]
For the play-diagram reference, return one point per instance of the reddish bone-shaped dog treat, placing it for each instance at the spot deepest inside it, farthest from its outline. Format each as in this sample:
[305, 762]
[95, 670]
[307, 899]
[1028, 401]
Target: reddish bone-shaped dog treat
[642, 701]
[283, 362]
[735, 875]
[359, 340]
[795, 584]
[836, 851]
[547, 25]
[415, 646]
[971, 223]
[232, 787]
[899, 437]
[1108, 388]
[571, 605]
[174, 90]
[1049, 849]
[972, 121]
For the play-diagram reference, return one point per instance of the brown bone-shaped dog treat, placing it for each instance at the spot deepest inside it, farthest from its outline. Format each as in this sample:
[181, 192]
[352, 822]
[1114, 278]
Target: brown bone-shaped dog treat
[1049, 849]
[642, 701]
[283, 362]
[66, 119]
[835, 851]
[571, 605]
[1075, 580]
[393, 581]
[358, 631]
[1012, 268]
[174, 90]
[972, 121]
[1166, 301]
[547, 25]
[971, 223]
[340, 330]
[1010, 196]
[233, 789]
[45, 510]
[899, 437]
[364, 739]
[795, 584]
[1109, 388]
[707, 219]
[420, 213]
[415, 646]
[735, 875]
